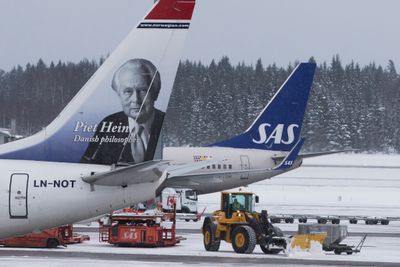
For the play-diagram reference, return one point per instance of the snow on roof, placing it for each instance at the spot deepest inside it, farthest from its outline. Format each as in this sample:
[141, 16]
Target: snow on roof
[5, 131]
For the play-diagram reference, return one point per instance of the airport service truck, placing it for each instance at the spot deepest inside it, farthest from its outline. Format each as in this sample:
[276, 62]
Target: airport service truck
[186, 202]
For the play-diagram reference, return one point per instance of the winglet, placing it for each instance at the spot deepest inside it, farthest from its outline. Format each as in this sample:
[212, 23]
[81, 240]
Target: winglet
[289, 160]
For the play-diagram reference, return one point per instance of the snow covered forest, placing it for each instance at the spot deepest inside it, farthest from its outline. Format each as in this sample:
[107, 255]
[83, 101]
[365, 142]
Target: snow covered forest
[350, 106]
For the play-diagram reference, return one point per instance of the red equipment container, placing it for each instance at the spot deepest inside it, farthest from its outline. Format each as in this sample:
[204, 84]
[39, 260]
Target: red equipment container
[140, 229]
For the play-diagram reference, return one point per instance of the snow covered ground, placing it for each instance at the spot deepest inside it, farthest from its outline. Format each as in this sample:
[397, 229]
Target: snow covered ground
[376, 249]
[367, 185]
[341, 184]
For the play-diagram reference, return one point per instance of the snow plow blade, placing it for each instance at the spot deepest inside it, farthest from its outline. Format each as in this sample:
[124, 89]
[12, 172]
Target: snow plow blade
[306, 241]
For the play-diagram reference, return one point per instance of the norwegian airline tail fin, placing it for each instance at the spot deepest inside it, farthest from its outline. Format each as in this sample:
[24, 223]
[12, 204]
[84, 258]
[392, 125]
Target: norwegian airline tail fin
[278, 125]
[118, 114]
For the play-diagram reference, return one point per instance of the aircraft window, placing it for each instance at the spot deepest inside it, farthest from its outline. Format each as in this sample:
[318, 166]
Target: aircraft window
[208, 166]
[230, 166]
[224, 166]
[213, 166]
[219, 166]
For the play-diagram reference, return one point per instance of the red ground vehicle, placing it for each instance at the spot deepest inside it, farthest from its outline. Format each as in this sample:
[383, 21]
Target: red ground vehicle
[50, 238]
[69, 237]
[139, 229]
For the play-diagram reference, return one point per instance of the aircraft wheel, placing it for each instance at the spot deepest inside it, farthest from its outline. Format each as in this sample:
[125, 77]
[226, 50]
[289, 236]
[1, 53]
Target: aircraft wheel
[243, 239]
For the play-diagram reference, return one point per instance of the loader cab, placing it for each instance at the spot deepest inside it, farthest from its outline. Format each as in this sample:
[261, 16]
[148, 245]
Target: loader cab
[231, 202]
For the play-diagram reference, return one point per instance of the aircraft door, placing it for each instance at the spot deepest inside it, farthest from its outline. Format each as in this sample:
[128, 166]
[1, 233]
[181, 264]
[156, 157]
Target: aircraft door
[245, 164]
[18, 199]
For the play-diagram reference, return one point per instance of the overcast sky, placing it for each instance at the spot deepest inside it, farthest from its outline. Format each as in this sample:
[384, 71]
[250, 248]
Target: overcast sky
[279, 31]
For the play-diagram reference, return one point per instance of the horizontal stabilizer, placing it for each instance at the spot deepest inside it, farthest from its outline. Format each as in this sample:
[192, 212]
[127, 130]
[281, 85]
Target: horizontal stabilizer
[146, 172]
[317, 154]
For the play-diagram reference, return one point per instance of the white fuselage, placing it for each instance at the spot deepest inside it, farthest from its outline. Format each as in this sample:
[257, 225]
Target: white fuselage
[37, 195]
[256, 164]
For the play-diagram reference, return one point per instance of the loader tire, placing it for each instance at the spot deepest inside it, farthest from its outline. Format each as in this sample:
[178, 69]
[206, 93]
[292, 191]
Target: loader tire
[209, 240]
[243, 239]
[337, 251]
[270, 251]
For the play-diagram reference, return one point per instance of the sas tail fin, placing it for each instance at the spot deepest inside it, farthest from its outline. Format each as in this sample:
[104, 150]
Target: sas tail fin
[117, 115]
[278, 126]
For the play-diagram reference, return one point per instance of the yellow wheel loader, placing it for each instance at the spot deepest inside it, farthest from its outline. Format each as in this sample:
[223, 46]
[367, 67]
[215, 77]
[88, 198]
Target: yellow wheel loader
[238, 224]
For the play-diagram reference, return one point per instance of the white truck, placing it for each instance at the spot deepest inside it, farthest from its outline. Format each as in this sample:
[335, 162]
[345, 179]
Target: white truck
[186, 202]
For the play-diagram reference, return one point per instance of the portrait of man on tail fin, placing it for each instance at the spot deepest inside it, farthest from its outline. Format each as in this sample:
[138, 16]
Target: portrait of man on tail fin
[129, 136]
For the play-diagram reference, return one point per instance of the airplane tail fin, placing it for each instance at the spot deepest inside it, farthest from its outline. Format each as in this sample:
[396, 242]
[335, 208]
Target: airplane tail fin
[278, 125]
[118, 114]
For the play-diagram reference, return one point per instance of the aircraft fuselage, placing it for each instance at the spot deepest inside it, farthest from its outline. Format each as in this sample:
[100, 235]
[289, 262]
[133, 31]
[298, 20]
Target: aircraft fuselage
[256, 165]
[38, 195]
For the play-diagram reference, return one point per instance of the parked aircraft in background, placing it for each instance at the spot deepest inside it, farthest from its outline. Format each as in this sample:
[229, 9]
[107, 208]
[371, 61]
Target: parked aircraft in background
[270, 146]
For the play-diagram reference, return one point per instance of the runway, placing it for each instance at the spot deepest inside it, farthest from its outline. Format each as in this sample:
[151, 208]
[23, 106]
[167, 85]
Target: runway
[191, 251]
[108, 258]
[381, 249]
